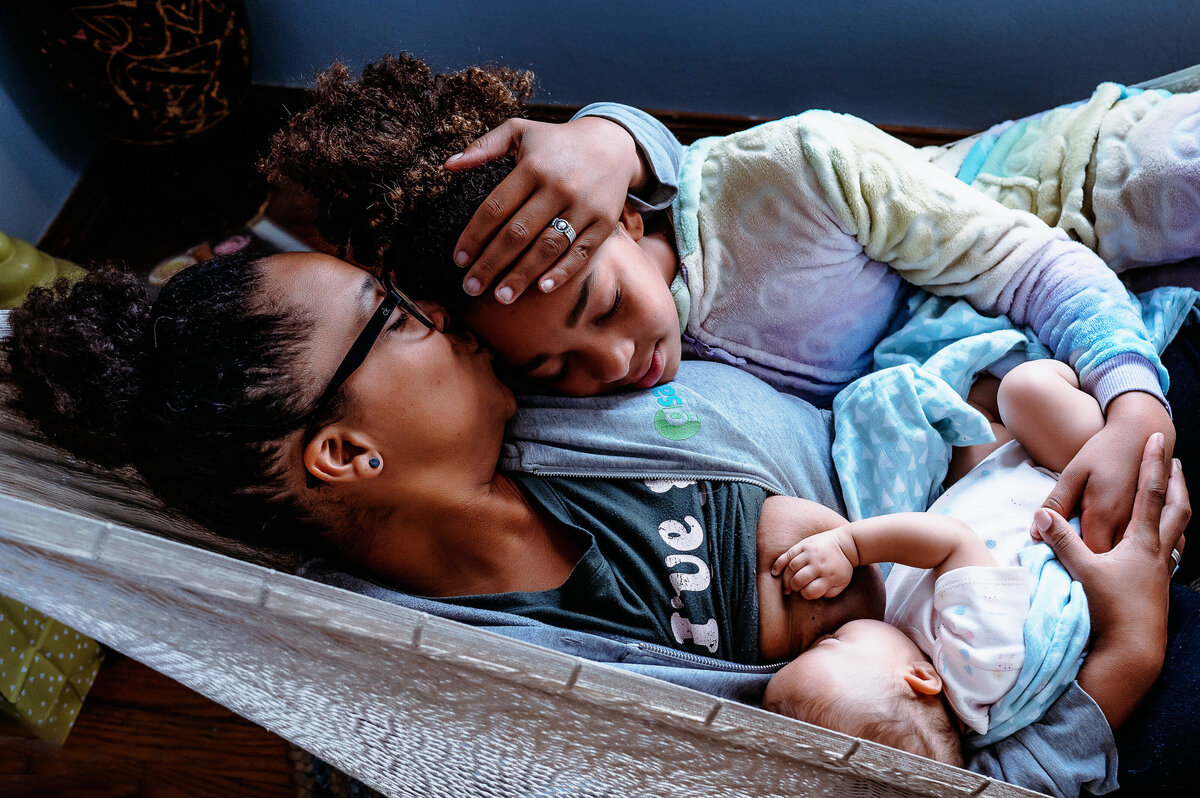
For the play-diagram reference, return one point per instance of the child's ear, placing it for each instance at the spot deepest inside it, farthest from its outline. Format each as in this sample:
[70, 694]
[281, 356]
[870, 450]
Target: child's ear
[923, 678]
[632, 221]
[337, 455]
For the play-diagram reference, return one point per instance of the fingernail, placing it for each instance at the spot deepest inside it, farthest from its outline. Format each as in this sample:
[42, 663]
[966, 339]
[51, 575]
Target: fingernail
[1158, 440]
[461, 258]
[1041, 520]
[504, 294]
[1176, 466]
[546, 285]
[472, 286]
[454, 157]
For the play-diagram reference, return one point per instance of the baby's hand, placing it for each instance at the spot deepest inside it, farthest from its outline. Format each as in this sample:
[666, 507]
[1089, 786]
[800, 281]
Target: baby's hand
[818, 566]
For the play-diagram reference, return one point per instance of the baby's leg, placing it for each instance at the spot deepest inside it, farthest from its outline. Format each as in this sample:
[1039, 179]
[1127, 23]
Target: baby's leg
[983, 397]
[1042, 406]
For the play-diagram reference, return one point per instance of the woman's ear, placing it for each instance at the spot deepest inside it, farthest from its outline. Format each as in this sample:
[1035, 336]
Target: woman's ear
[338, 455]
[632, 221]
[923, 678]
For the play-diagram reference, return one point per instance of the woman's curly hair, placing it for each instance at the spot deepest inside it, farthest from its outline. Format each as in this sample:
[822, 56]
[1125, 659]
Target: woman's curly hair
[196, 390]
[370, 152]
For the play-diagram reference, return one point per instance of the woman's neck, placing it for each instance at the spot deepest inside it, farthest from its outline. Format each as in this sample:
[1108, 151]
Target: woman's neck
[485, 540]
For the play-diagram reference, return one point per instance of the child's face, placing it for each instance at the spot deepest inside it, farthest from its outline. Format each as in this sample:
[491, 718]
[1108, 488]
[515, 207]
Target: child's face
[855, 650]
[612, 327]
[863, 663]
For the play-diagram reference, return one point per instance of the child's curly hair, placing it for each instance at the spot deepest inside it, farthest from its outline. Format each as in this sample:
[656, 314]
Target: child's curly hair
[370, 152]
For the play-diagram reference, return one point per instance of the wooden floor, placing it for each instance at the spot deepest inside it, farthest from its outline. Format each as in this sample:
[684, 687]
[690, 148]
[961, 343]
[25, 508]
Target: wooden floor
[142, 735]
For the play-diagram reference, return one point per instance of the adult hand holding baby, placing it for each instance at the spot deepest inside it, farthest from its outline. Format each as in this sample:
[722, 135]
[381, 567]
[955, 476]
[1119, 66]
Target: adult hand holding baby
[1128, 586]
[1103, 478]
[579, 172]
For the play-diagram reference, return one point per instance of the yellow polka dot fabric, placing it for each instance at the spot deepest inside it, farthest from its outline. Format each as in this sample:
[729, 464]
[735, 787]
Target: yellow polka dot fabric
[46, 669]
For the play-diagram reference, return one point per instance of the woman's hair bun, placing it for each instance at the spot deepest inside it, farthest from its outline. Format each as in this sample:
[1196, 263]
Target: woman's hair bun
[75, 359]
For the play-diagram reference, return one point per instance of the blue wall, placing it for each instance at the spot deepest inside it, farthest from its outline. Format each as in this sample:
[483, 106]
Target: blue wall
[42, 149]
[909, 62]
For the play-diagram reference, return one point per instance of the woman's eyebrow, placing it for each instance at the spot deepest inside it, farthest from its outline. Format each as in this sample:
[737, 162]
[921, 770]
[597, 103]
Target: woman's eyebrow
[581, 303]
[366, 293]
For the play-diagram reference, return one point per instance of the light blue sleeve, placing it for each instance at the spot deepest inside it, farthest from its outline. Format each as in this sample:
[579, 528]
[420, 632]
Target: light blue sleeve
[662, 150]
[1069, 749]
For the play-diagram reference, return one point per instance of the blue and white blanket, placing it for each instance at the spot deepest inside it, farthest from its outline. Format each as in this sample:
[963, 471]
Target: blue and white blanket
[893, 428]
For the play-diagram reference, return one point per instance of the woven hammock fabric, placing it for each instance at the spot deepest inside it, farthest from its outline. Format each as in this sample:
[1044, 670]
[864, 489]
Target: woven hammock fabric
[410, 704]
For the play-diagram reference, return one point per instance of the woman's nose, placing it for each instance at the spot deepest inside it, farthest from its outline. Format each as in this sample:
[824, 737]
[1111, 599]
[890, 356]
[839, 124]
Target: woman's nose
[436, 313]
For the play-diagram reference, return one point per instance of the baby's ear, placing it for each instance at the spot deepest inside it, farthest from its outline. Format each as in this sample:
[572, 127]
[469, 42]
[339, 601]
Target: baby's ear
[632, 221]
[923, 678]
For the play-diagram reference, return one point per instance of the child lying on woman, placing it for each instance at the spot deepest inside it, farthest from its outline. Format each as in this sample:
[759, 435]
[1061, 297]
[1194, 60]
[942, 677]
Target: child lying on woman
[982, 628]
[793, 249]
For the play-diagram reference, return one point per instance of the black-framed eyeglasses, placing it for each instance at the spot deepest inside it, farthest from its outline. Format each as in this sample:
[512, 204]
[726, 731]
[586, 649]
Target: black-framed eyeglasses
[362, 345]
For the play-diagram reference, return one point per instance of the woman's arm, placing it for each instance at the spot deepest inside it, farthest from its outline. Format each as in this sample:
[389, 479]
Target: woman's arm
[821, 565]
[1071, 747]
[580, 171]
[1128, 586]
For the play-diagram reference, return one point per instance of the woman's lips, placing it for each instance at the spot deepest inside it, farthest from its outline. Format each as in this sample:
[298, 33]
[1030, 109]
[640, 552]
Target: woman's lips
[654, 371]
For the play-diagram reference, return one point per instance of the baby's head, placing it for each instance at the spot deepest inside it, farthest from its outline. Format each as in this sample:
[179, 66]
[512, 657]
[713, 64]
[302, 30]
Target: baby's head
[867, 679]
[370, 152]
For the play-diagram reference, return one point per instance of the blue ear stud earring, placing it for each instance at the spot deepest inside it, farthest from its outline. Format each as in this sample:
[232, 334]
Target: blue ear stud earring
[373, 462]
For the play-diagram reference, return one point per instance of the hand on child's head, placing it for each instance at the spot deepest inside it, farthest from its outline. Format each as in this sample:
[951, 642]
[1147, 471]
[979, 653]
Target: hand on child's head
[556, 208]
[611, 327]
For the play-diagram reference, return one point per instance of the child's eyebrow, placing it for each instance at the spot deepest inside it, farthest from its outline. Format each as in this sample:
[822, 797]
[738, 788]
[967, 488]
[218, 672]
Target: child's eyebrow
[581, 303]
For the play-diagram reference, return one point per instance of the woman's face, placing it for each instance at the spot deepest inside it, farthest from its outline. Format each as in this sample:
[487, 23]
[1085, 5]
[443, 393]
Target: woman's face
[419, 393]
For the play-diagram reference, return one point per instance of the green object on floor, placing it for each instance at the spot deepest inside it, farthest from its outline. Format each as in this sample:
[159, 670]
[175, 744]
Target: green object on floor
[46, 669]
[23, 266]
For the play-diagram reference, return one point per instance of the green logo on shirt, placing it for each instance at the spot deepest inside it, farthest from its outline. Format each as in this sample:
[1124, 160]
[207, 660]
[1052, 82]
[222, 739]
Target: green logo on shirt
[672, 421]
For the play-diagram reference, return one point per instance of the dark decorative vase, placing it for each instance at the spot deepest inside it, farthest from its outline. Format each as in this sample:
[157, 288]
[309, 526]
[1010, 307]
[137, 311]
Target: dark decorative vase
[148, 71]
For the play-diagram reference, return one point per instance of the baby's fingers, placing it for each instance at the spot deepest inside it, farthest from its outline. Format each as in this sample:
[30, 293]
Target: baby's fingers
[782, 560]
[812, 586]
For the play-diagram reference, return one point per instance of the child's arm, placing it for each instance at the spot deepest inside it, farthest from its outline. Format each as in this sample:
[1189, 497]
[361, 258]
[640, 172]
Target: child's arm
[821, 565]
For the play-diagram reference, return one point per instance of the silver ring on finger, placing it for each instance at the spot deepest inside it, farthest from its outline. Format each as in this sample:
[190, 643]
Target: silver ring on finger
[563, 226]
[1177, 557]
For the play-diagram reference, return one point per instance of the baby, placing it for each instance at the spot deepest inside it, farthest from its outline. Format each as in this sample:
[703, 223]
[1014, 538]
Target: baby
[952, 650]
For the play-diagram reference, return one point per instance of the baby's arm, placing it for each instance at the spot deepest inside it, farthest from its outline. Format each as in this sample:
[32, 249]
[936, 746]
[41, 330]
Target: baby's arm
[1041, 404]
[821, 565]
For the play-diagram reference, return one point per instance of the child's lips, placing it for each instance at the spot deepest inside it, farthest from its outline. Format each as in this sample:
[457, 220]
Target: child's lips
[654, 370]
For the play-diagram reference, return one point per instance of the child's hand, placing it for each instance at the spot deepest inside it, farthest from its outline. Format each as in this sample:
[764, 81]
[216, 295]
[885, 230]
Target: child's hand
[820, 566]
[579, 171]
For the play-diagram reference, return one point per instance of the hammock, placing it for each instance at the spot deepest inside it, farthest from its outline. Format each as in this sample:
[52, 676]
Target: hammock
[408, 703]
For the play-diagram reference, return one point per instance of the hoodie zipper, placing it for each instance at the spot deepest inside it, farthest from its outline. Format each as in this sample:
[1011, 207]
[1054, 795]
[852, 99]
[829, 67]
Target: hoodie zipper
[712, 664]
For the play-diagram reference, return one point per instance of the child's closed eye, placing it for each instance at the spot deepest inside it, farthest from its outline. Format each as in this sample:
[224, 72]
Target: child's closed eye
[616, 306]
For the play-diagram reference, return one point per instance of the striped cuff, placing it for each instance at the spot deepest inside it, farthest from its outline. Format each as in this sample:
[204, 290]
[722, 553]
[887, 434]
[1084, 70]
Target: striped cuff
[1123, 373]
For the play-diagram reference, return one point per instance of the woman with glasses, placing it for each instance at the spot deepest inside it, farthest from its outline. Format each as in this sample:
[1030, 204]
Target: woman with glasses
[298, 401]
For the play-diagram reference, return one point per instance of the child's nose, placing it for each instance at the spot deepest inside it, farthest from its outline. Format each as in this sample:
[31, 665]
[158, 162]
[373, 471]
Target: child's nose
[610, 359]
